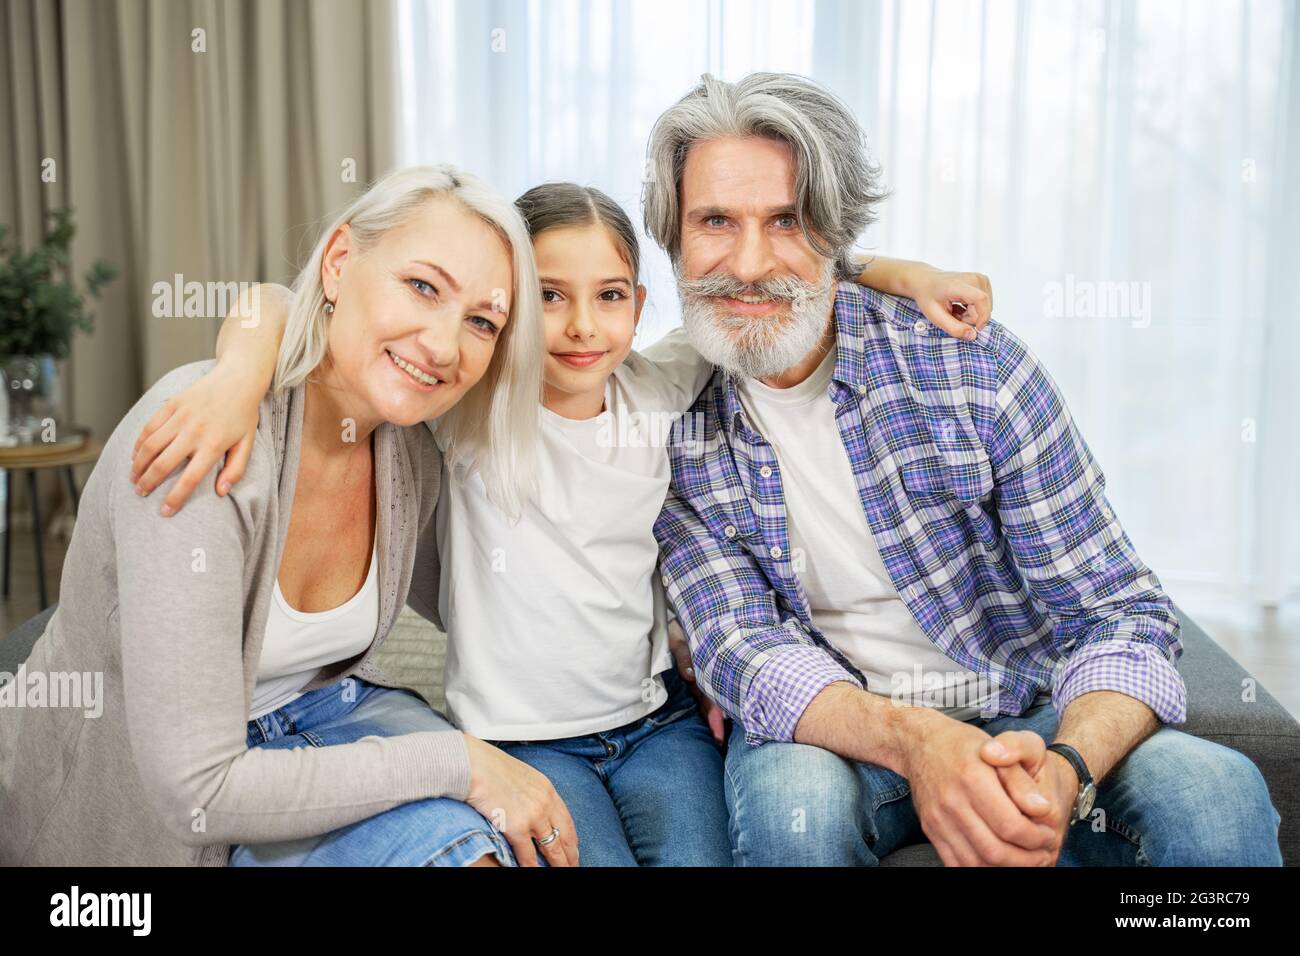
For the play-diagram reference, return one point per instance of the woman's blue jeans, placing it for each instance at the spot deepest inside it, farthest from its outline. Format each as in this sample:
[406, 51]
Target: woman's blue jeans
[433, 832]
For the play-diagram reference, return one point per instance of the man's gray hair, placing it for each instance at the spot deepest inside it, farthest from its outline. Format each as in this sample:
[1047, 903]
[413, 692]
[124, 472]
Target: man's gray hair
[836, 184]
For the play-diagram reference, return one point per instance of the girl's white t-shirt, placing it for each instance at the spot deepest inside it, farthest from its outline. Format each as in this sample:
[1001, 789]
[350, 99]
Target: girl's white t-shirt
[556, 625]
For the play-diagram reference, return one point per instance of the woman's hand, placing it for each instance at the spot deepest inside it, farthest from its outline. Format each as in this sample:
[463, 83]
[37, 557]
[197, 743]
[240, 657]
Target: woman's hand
[520, 802]
[960, 303]
[215, 416]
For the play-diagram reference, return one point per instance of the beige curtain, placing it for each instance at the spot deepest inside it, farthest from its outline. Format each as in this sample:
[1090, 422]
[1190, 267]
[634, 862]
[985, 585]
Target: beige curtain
[205, 138]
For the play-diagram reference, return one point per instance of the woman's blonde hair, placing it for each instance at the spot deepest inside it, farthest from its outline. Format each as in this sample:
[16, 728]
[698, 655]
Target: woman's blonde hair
[494, 426]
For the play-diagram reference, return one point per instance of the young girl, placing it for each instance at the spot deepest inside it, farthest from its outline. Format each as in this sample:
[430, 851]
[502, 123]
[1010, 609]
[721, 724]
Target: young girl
[557, 627]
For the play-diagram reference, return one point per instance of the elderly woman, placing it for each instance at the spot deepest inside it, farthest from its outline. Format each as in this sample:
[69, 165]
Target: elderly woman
[244, 720]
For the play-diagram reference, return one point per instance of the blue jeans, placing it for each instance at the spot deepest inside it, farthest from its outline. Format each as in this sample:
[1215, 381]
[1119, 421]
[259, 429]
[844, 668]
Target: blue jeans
[648, 793]
[1176, 800]
[433, 832]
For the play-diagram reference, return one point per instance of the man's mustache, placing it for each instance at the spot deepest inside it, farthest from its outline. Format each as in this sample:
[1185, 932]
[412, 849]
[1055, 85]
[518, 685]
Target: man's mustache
[725, 285]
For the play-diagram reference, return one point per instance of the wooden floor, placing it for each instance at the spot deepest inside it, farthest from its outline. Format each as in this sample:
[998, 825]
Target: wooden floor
[1266, 644]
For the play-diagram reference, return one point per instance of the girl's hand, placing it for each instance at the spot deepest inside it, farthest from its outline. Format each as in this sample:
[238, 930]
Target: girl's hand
[936, 291]
[710, 712]
[215, 416]
[520, 802]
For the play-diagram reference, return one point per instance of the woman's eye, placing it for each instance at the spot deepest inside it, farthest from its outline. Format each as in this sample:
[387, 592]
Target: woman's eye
[422, 287]
[487, 325]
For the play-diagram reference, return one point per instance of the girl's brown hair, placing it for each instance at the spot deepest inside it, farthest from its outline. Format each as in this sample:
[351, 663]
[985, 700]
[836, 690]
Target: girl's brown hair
[552, 205]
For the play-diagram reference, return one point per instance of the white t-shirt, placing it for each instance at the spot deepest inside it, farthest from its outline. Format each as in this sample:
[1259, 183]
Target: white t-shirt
[853, 601]
[556, 624]
[298, 644]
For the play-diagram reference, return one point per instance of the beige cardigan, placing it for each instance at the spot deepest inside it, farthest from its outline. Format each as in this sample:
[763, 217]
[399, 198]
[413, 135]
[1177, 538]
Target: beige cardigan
[172, 612]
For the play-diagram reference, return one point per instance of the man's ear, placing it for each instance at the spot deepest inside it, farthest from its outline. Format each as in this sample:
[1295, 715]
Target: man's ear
[332, 261]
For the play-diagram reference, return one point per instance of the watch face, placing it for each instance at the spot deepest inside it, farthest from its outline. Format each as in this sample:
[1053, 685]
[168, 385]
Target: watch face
[1086, 800]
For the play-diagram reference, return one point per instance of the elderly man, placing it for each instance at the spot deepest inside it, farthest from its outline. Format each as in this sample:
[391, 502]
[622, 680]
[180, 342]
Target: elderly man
[891, 552]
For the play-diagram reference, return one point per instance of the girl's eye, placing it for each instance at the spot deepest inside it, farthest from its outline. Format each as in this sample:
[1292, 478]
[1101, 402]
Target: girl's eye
[613, 295]
[550, 295]
[422, 287]
[486, 325]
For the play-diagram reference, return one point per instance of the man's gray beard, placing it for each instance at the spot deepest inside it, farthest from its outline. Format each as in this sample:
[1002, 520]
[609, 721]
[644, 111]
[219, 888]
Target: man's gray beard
[754, 345]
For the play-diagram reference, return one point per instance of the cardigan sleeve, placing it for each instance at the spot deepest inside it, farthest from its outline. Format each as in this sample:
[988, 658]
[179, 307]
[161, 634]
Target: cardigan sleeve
[182, 615]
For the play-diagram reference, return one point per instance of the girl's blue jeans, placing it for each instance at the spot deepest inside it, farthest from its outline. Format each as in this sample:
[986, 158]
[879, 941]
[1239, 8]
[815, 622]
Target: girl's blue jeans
[649, 793]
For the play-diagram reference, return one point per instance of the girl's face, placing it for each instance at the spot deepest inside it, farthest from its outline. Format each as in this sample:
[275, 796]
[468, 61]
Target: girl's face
[417, 316]
[591, 309]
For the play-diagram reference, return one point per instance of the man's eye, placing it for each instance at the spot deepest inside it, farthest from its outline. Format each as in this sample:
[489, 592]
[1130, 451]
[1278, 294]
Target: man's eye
[422, 287]
[716, 221]
[787, 222]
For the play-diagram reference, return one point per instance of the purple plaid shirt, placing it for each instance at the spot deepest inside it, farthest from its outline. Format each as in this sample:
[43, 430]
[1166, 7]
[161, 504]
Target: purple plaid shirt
[985, 504]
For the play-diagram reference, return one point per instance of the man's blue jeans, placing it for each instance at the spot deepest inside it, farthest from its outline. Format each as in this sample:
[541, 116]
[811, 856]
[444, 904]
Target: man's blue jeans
[648, 793]
[1176, 800]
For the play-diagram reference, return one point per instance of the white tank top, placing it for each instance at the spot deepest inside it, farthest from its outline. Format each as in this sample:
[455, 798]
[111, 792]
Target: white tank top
[298, 644]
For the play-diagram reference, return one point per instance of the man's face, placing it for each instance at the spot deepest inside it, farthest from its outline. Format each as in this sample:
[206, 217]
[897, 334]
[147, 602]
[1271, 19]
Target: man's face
[756, 296]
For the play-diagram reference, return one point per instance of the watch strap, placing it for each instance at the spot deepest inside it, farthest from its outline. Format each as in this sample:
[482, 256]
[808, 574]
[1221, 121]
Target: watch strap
[1076, 761]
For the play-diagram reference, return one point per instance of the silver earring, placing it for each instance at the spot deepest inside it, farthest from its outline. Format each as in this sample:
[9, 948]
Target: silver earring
[329, 308]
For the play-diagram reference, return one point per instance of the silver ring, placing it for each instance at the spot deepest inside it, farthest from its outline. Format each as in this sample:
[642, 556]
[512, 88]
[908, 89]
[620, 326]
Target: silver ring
[550, 837]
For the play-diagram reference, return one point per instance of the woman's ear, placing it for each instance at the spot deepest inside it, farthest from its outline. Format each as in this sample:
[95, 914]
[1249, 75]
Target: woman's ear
[331, 263]
[640, 304]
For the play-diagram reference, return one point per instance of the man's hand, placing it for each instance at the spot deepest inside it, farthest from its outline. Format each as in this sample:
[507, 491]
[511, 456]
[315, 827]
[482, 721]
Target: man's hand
[965, 807]
[713, 714]
[1041, 782]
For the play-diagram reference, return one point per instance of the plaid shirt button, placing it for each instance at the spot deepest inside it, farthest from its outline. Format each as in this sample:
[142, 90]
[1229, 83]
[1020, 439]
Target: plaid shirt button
[920, 328]
[765, 471]
[775, 552]
[729, 531]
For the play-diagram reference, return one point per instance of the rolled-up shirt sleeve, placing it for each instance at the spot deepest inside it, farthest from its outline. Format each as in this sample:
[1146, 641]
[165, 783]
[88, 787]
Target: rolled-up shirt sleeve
[1126, 667]
[784, 687]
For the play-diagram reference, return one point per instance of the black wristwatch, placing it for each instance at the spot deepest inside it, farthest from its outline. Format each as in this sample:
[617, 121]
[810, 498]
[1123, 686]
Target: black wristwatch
[1087, 794]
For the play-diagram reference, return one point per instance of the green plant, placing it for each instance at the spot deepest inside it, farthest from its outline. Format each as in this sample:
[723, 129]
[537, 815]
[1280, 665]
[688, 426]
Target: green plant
[40, 307]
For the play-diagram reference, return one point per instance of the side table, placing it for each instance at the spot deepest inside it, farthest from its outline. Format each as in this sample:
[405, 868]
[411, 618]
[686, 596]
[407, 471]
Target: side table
[30, 461]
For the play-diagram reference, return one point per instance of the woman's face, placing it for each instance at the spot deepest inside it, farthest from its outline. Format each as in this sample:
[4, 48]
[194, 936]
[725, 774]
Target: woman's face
[418, 315]
[590, 304]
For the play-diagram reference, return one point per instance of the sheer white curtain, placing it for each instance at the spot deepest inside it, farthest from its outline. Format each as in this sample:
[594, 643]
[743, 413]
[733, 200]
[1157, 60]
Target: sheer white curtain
[1127, 172]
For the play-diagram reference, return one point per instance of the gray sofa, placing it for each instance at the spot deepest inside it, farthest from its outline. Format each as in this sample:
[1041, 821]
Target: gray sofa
[1261, 729]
